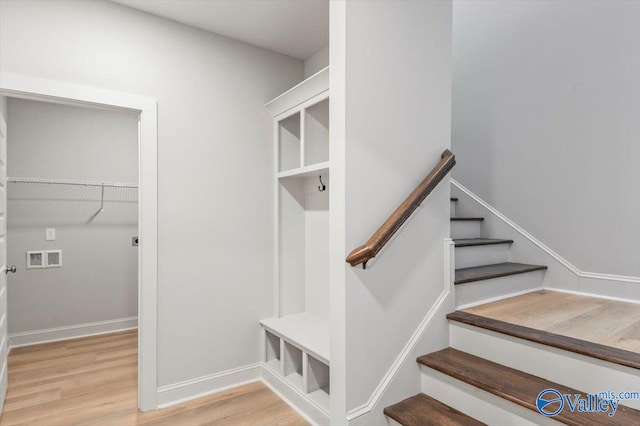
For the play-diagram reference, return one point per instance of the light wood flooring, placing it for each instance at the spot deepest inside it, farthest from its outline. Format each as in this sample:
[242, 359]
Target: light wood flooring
[93, 381]
[607, 322]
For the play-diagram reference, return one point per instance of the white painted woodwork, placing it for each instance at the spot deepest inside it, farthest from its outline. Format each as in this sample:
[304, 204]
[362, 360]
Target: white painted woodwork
[490, 254]
[452, 204]
[306, 331]
[319, 169]
[3, 263]
[466, 229]
[301, 305]
[577, 371]
[476, 291]
[312, 86]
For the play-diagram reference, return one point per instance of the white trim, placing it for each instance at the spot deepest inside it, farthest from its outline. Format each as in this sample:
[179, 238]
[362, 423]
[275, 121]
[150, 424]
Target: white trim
[449, 268]
[301, 92]
[541, 245]
[50, 90]
[294, 397]
[36, 337]
[188, 390]
[597, 296]
[495, 299]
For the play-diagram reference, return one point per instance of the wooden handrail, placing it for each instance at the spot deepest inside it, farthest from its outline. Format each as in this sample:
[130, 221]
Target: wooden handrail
[378, 240]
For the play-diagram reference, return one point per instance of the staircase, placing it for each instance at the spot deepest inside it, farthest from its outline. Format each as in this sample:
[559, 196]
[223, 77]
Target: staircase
[495, 370]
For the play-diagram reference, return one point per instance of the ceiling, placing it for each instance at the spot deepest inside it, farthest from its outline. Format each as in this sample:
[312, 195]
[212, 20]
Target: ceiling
[296, 28]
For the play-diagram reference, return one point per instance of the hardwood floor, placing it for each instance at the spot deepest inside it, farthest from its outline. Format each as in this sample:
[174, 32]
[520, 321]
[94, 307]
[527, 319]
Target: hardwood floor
[93, 381]
[607, 322]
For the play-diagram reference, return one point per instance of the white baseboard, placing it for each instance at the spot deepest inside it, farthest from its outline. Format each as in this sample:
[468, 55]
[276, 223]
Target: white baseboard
[47, 335]
[188, 390]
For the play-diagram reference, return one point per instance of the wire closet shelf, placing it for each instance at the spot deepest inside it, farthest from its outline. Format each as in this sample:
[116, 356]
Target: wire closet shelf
[41, 189]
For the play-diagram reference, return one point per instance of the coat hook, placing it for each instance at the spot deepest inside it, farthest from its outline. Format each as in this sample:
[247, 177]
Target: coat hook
[322, 186]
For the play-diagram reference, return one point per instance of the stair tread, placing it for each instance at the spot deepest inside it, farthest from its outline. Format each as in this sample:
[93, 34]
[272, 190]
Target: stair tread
[469, 242]
[517, 386]
[458, 219]
[422, 410]
[486, 272]
[583, 347]
[454, 198]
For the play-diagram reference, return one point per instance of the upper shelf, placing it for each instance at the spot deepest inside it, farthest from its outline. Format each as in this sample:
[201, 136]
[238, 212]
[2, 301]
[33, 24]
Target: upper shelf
[312, 86]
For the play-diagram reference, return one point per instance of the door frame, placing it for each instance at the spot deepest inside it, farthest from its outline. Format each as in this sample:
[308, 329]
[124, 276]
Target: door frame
[14, 85]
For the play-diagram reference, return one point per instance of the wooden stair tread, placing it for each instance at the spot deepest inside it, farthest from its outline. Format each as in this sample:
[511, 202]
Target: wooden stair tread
[470, 242]
[454, 198]
[518, 387]
[460, 219]
[422, 410]
[486, 272]
[583, 347]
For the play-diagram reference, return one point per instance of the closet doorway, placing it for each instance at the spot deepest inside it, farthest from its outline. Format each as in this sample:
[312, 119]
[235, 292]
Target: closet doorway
[82, 217]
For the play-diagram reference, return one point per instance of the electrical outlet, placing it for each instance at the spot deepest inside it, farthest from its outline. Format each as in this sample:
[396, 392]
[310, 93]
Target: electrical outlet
[50, 234]
[134, 241]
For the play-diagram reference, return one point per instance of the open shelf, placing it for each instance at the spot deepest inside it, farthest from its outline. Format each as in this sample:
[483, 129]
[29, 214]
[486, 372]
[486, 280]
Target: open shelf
[307, 171]
[306, 331]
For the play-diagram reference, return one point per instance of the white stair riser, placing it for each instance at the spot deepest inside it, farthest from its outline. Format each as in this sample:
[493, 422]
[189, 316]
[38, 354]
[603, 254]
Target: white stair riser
[476, 403]
[477, 291]
[453, 208]
[467, 257]
[392, 422]
[570, 369]
[466, 228]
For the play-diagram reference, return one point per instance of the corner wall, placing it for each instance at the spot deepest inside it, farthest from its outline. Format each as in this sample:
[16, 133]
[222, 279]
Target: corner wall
[393, 85]
[215, 211]
[546, 97]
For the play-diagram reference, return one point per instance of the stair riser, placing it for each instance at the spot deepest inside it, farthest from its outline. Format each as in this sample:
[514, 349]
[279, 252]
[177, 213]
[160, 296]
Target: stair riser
[466, 228]
[559, 366]
[453, 208]
[477, 403]
[467, 257]
[392, 422]
[477, 291]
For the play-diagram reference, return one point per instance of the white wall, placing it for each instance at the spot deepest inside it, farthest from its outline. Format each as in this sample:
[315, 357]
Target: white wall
[316, 62]
[394, 85]
[215, 178]
[546, 96]
[99, 277]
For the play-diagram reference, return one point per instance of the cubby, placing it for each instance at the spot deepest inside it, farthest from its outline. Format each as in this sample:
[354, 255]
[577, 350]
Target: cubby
[289, 145]
[316, 133]
[273, 351]
[297, 337]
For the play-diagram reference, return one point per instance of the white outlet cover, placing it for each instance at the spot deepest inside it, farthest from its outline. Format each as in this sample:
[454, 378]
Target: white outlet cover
[50, 234]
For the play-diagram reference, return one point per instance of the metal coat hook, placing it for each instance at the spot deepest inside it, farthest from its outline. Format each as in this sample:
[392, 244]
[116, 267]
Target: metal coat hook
[322, 186]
